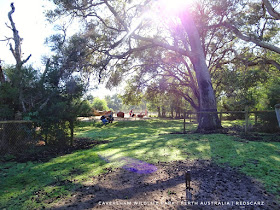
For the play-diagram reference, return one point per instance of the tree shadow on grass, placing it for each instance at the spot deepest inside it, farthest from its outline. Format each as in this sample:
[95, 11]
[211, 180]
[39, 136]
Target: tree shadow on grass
[247, 159]
[33, 185]
[165, 189]
[48, 179]
[25, 184]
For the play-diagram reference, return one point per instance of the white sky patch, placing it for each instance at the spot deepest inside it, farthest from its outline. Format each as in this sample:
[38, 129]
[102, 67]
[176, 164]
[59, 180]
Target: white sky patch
[101, 91]
[30, 21]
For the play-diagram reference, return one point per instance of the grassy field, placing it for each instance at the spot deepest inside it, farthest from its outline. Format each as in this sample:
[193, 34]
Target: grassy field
[34, 185]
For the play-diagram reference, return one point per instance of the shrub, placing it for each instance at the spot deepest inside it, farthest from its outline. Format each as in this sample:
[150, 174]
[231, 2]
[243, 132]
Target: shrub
[268, 122]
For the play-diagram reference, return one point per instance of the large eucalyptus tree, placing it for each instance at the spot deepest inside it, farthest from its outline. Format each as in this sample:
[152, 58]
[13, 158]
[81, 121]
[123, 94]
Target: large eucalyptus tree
[119, 30]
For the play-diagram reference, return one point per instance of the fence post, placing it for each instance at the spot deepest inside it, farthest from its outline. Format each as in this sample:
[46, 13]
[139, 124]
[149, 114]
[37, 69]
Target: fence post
[184, 131]
[221, 115]
[277, 111]
[256, 116]
[5, 143]
[246, 119]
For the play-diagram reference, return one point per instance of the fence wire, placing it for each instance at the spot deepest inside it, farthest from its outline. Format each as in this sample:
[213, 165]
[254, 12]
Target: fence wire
[16, 136]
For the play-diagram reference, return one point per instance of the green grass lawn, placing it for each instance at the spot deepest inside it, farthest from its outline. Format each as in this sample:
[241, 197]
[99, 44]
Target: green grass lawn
[34, 185]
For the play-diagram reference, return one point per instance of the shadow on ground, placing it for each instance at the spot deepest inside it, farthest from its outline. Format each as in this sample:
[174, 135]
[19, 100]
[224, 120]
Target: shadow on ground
[165, 189]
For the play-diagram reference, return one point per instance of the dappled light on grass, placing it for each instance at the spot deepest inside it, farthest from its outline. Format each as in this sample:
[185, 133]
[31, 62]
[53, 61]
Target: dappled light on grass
[35, 184]
[275, 158]
[233, 123]
[47, 181]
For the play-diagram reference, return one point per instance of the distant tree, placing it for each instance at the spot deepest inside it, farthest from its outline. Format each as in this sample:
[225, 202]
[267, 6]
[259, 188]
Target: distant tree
[162, 98]
[89, 98]
[273, 93]
[114, 102]
[99, 104]
[85, 108]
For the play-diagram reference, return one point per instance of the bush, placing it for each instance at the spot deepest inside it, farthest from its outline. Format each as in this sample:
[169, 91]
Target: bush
[57, 134]
[85, 109]
[268, 122]
[99, 104]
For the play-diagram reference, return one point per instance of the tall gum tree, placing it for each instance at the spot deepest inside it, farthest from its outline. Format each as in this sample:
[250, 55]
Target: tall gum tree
[123, 32]
[207, 98]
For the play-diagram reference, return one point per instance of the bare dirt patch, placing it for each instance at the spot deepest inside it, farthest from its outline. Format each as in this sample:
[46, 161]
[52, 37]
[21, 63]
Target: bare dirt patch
[213, 187]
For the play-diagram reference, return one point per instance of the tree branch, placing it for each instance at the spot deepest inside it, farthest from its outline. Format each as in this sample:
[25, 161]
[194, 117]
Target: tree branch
[266, 62]
[252, 39]
[163, 45]
[116, 15]
[271, 10]
[6, 39]
[24, 61]
[122, 56]
[17, 50]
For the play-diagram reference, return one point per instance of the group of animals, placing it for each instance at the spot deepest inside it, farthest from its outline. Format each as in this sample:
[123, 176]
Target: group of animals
[108, 117]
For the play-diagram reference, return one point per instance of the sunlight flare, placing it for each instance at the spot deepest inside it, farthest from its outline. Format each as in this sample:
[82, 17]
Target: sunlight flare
[161, 10]
[174, 7]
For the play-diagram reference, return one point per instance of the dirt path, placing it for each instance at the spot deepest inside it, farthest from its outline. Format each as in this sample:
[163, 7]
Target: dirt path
[213, 187]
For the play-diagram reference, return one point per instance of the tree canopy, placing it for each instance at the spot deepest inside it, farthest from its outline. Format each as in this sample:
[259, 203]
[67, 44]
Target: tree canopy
[207, 53]
[188, 46]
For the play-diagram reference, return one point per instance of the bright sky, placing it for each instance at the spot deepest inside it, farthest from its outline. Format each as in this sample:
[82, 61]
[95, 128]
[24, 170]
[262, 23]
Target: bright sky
[30, 22]
[34, 29]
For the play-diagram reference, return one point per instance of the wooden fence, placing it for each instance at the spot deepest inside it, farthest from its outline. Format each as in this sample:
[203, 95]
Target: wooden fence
[246, 113]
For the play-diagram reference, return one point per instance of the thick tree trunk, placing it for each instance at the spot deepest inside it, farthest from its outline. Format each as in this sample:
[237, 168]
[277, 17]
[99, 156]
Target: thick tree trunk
[163, 112]
[206, 93]
[172, 112]
[158, 109]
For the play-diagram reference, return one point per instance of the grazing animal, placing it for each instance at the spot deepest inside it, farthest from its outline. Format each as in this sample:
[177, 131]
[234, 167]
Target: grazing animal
[120, 114]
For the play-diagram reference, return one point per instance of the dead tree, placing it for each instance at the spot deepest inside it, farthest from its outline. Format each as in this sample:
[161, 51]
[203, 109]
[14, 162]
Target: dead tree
[16, 51]
[2, 77]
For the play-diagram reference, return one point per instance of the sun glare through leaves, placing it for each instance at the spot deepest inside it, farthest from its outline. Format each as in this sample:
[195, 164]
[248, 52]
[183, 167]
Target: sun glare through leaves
[163, 11]
[173, 7]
